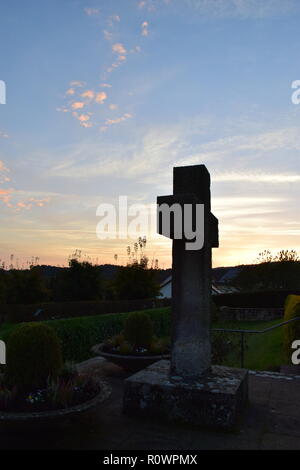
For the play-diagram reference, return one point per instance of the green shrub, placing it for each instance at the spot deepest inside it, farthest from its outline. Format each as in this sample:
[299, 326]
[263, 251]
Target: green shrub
[214, 312]
[33, 356]
[160, 346]
[125, 348]
[138, 329]
[291, 331]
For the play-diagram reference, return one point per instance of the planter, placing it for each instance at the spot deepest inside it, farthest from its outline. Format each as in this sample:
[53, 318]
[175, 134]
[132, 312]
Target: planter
[26, 421]
[131, 363]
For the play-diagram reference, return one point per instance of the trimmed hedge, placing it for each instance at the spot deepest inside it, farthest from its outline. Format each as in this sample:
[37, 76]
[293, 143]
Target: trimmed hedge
[291, 331]
[255, 299]
[78, 335]
[17, 313]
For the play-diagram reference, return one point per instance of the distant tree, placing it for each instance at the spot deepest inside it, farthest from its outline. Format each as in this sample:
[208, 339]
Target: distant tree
[136, 281]
[282, 256]
[26, 286]
[278, 271]
[81, 281]
[3, 286]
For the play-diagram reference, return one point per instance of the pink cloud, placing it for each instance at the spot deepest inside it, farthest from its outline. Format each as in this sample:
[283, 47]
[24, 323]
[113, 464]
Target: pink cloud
[119, 48]
[88, 94]
[101, 97]
[6, 195]
[77, 105]
[83, 117]
[3, 173]
[70, 91]
[125, 116]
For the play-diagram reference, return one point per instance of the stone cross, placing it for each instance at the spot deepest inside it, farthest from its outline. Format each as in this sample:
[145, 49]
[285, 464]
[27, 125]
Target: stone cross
[191, 278]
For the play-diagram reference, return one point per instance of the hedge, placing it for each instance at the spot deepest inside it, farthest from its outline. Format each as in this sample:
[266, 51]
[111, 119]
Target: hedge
[291, 331]
[78, 335]
[16, 313]
[254, 299]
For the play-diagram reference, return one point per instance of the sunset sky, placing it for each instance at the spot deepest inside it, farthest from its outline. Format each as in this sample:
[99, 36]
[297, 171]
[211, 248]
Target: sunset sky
[105, 97]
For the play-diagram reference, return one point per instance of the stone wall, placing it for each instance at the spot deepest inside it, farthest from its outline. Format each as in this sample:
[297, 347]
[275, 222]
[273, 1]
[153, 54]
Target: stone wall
[250, 314]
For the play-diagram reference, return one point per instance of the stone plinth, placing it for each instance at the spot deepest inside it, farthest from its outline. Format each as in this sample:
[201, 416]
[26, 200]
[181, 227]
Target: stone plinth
[215, 401]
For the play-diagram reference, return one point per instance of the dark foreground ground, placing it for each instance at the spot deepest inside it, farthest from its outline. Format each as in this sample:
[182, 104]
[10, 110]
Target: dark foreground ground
[271, 421]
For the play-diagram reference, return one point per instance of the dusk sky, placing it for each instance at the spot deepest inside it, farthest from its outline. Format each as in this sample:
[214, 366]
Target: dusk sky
[105, 97]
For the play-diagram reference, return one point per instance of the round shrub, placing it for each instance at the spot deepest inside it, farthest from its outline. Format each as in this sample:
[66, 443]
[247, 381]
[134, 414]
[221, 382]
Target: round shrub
[291, 331]
[33, 356]
[125, 348]
[159, 346]
[138, 329]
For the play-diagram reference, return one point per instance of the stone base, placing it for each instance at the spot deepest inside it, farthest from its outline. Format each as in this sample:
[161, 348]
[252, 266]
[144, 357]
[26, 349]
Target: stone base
[215, 401]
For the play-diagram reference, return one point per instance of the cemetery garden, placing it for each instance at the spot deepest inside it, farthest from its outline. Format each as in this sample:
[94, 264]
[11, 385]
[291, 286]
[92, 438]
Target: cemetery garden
[175, 377]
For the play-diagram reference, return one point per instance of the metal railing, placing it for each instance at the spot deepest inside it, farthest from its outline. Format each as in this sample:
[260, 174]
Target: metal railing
[245, 332]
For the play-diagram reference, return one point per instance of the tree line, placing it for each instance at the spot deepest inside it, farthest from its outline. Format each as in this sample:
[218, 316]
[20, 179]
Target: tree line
[80, 281]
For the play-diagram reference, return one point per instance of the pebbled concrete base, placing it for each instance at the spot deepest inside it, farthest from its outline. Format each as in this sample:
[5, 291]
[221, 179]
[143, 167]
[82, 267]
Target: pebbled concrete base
[215, 401]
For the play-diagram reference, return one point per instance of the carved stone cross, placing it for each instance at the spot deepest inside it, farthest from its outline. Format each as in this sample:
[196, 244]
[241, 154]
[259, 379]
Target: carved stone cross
[191, 274]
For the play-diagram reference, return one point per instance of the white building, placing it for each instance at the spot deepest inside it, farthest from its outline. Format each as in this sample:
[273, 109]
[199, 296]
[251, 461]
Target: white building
[166, 289]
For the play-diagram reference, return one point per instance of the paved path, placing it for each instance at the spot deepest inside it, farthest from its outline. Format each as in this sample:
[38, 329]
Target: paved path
[271, 421]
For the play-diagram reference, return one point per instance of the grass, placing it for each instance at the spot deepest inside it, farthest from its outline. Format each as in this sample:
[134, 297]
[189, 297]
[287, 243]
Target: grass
[263, 351]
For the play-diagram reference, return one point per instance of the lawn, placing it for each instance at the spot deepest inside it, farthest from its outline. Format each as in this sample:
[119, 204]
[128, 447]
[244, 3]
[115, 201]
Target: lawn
[262, 352]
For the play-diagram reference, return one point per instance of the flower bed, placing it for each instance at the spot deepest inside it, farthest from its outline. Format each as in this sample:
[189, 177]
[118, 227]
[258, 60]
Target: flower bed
[36, 383]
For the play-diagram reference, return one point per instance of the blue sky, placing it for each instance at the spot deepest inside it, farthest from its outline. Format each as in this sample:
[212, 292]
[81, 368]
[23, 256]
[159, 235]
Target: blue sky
[105, 97]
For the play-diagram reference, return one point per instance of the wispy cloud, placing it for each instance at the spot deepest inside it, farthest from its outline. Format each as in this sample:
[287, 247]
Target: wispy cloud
[149, 5]
[108, 35]
[10, 197]
[145, 28]
[242, 8]
[92, 11]
[257, 177]
[118, 120]
[3, 135]
[112, 19]
[77, 83]
[3, 173]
